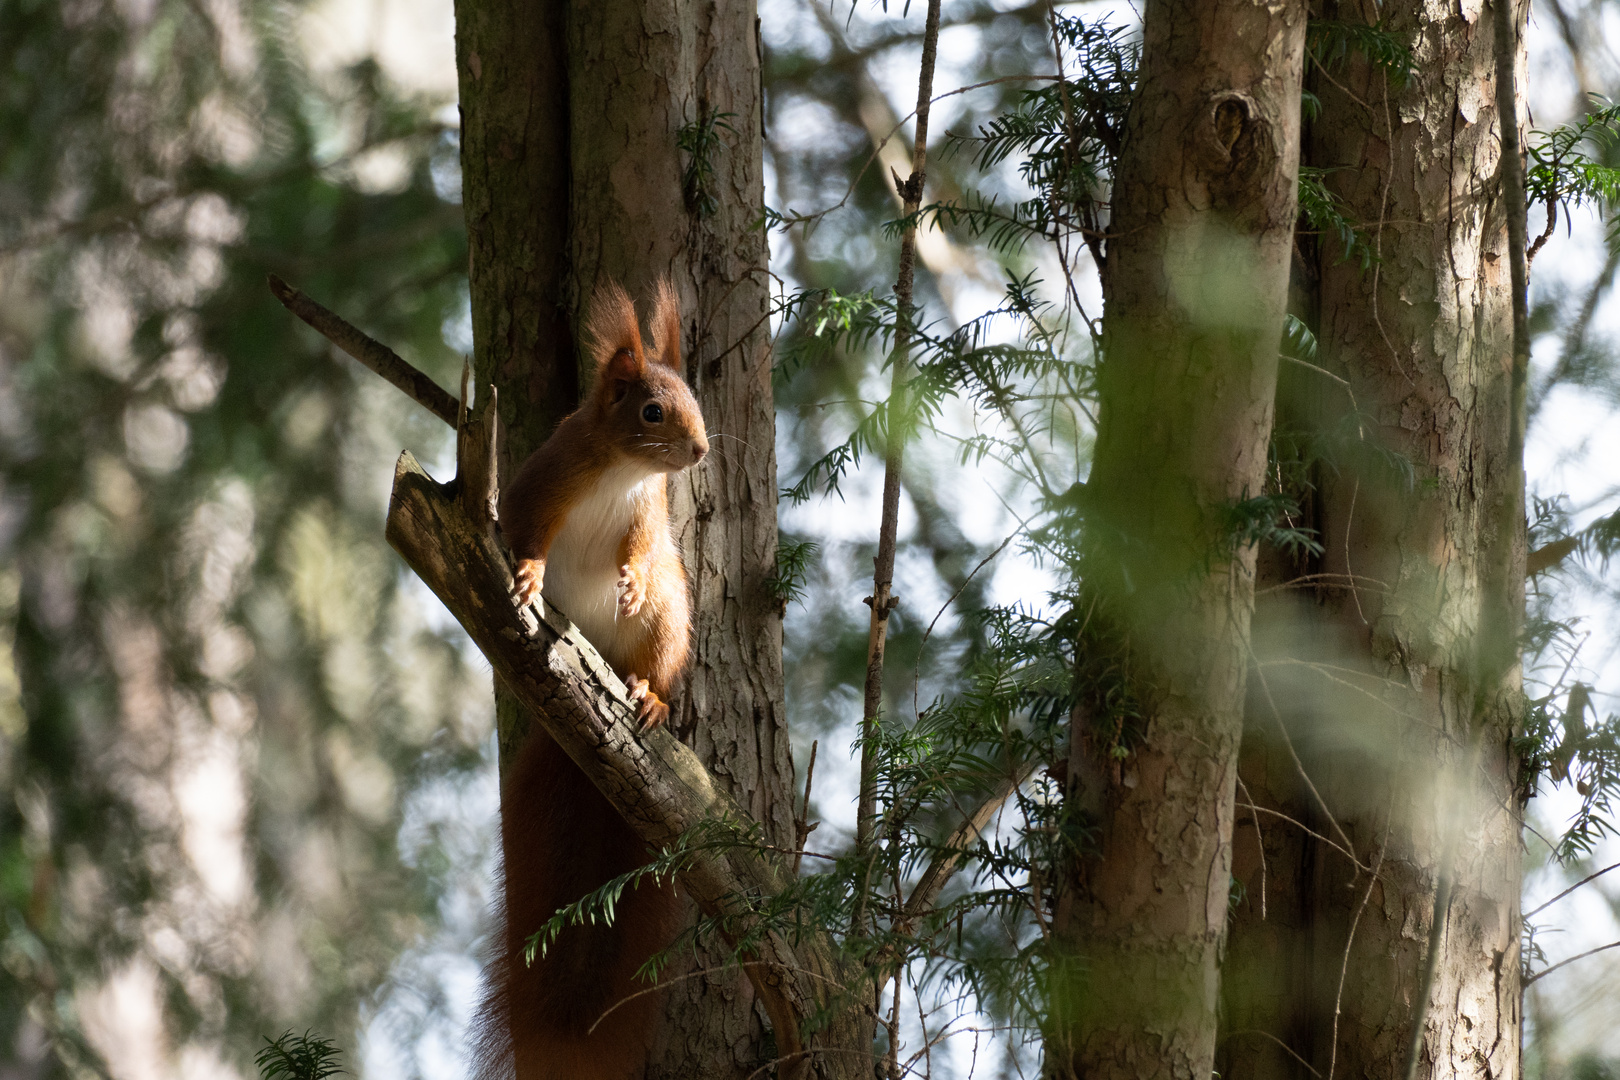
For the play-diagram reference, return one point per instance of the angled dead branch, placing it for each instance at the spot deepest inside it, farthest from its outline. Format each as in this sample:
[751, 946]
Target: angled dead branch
[369, 351]
[956, 847]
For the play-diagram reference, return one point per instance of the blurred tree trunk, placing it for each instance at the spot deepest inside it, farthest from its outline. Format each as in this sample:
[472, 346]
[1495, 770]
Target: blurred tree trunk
[1195, 288]
[1395, 673]
[572, 176]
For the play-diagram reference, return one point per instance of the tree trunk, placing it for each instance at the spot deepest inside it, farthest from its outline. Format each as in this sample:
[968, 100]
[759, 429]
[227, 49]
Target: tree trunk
[1195, 287]
[572, 177]
[1394, 674]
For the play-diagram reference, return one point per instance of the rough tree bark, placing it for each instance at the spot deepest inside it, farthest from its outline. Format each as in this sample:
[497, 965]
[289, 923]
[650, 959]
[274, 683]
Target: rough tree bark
[1387, 671]
[571, 176]
[1195, 288]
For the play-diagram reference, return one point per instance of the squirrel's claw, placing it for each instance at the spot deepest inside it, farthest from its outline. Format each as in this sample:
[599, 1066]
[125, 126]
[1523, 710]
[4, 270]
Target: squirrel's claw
[528, 580]
[632, 594]
[652, 711]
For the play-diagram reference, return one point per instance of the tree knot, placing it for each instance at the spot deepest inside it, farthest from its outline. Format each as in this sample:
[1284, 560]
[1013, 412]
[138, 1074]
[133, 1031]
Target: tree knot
[1232, 143]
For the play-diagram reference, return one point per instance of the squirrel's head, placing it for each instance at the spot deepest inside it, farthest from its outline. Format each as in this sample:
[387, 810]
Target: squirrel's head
[646, 407]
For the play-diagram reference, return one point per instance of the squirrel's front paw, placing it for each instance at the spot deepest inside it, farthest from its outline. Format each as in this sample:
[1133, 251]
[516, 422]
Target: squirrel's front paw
[632, 592]
[652, 709]
[528, 580]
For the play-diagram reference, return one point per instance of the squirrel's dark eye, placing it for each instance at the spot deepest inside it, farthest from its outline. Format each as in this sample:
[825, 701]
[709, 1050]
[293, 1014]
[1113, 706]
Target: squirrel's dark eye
[653, 413]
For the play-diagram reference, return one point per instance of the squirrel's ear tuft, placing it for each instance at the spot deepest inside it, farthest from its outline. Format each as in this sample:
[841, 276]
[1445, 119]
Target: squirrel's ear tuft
[612, 334]
[666, 325]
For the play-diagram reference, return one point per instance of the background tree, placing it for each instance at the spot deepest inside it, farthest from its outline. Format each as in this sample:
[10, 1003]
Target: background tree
[1402, 452]
[1204, 196]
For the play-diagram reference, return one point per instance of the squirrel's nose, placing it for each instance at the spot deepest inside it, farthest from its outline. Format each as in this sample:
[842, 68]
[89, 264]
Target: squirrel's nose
[699, 448]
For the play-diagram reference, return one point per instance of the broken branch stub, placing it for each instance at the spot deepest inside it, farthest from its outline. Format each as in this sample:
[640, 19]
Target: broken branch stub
[476, 485]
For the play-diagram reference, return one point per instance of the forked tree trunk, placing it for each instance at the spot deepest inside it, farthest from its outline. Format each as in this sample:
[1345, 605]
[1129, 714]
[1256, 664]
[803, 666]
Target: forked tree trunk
[1195, 289]
[1388, 671]
[571, 177]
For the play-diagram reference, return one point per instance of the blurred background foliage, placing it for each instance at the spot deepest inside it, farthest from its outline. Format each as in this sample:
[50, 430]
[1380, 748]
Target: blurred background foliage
[246, 760]
[224, 708]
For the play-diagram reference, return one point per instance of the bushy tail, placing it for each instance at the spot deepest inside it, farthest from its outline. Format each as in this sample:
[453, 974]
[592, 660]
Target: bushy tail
[560, 840]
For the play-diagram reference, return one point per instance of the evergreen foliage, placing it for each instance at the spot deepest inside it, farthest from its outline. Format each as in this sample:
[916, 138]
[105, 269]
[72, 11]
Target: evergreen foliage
[298, 1057]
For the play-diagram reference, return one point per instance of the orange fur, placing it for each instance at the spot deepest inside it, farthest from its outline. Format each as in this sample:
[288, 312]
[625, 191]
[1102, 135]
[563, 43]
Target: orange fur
[591, 506]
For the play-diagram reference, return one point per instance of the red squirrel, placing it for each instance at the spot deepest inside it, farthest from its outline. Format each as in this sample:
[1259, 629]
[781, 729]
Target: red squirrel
[587, 518]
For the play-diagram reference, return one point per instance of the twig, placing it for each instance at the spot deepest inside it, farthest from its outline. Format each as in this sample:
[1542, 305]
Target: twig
[791, 219]
[1259, 842]
[660, 984]
[916, 674]
[1268, 1035]
[1572, 888]
[962, 588]
[882, 601]
[802, 827]
[1340, 379]
[1308, 831]
[1349, 524]
[369, 351]
[1578, 956]
[1344, 966]
[1378, 239]
[1325, 581]
[801, 1055]
[1282, 729]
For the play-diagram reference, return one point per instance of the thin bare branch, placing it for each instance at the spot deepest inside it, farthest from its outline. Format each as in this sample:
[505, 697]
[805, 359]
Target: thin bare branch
[1299, 766]
[1289, 1050]
[802, 827]
[1259, 842]
[1572, 888]
[369, 351]
[882, 600]
[1562, 963]
[1350, 939]
[1308, 831]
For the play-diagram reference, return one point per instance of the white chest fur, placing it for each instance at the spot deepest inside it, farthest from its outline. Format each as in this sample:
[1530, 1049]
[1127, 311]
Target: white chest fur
[582, 568]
